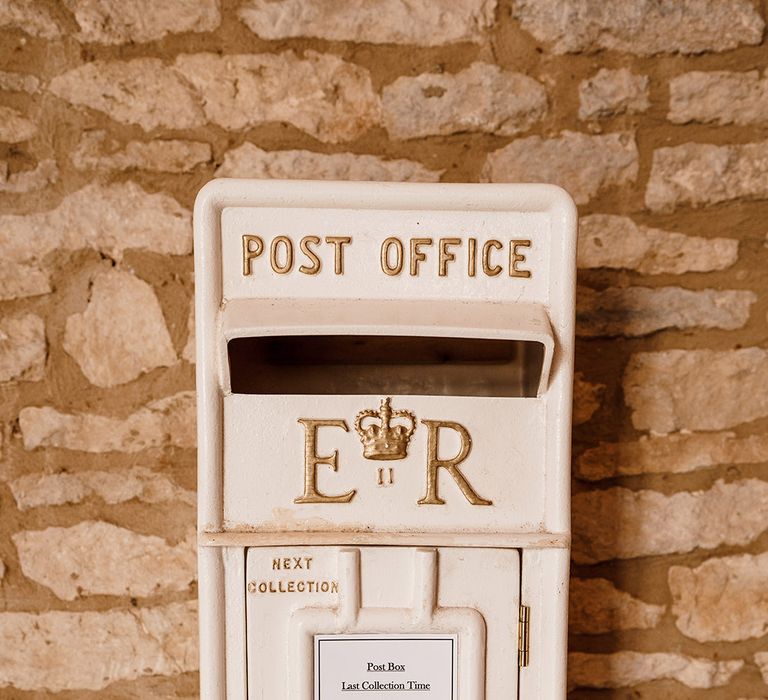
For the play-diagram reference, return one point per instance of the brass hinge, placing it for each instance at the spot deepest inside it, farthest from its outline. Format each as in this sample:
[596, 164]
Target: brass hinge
[523, 636]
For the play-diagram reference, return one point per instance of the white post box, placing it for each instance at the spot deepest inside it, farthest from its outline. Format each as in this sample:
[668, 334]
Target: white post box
[384, 386]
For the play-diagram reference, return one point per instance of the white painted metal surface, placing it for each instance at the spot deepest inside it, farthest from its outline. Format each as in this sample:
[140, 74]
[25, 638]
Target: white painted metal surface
[384, 391]
[388, 591]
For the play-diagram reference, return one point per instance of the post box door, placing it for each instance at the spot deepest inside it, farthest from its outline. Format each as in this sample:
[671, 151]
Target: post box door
[325, 622]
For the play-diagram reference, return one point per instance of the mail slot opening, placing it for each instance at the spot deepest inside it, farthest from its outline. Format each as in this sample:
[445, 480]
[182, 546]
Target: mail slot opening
[367, 364]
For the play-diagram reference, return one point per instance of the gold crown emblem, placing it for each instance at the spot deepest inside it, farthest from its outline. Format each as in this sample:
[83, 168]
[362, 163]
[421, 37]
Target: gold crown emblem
[383, 440]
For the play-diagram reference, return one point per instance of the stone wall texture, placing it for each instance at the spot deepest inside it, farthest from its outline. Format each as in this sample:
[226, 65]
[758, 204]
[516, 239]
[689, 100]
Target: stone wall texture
[653, 114]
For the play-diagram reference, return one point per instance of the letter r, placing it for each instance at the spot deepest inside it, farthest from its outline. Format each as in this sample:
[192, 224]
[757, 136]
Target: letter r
[450, 465]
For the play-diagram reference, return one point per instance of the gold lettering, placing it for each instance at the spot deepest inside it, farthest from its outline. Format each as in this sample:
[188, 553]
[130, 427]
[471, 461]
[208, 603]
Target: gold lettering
[338, 243]
[385, 248]
[251, 253]
[287, 265]
[315, 266]
[445, 255]
[488, 269]
[391, 255]
[416, 255]
[280, 563]
[472, 259]
[312, 460]
[434, 464]
[515, 257]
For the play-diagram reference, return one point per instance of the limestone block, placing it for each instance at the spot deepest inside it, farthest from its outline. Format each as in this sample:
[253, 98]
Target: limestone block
[482, 97]
[697, 174]
[250, 161]
[722, 600]
[618, 523]
[582, 164]
[56, 651]
[321, 94]
[117, 22]
[14, 126]
[121, 334]
[98, 558]
[623, 669]
[761, 659]
[109, 218]
[143, 91]
[97, 152]
[19, 82]
[641, 27]
[117, 486]
[22, 348]
[675, 453]
[42, 175]
[610, 93]
[165, 422]
[21, 280]
[637, 311]
[607, 240]
[422, 22]
[597, 607]
[696, 389]
[32, 17]
[722, 97]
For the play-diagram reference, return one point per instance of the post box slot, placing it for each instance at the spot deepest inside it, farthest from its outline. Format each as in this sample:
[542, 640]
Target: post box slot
[386, 364]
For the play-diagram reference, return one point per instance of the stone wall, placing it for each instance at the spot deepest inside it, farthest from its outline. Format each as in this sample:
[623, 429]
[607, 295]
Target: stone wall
[654, 115]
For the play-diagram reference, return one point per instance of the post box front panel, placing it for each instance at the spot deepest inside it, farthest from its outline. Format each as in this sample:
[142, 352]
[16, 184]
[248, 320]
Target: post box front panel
[375, 254]
[326, 622]
[324, 463]
[382, 366]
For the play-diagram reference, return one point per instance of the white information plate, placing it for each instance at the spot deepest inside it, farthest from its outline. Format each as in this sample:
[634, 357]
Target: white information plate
[385, 666]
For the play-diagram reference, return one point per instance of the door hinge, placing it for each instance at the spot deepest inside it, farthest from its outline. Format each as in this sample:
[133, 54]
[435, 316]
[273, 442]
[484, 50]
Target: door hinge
[523, 636]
